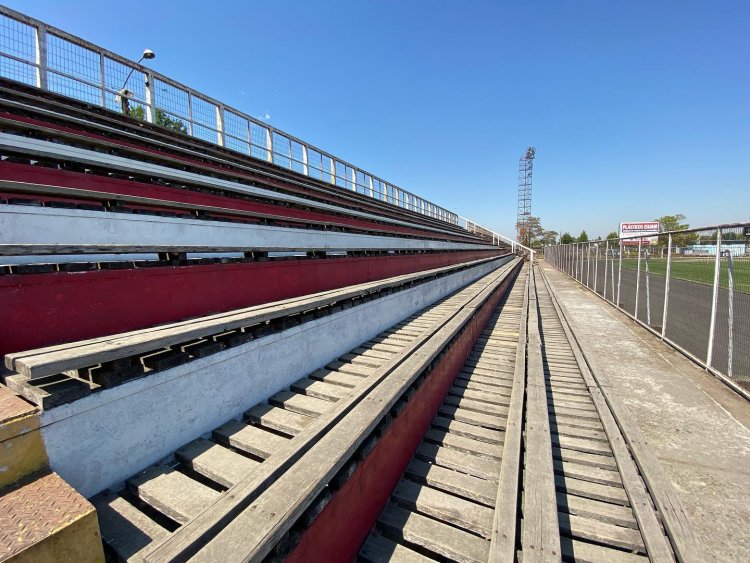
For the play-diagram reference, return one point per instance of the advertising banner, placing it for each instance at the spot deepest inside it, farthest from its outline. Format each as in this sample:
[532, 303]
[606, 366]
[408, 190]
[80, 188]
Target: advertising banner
[645, 230]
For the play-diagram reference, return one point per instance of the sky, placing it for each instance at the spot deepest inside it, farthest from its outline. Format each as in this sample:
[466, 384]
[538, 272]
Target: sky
[637, 109]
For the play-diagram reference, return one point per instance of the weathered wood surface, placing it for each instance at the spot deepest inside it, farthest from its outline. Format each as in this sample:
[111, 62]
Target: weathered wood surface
[329, 440]
[125, 529]
[540, 538]
[503, 544]
[622, 432]
[55, 359]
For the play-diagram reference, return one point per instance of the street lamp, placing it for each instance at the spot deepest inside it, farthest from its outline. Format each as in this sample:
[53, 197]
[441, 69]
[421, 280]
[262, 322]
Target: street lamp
[123, 93]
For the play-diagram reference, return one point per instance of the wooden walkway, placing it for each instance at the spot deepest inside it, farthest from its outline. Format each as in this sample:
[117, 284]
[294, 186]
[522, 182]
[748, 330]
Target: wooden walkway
[524, 457]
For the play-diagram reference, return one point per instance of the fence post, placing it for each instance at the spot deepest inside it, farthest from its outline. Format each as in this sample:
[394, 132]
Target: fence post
[648, 288]
[730, 315]
[588, 264]
[596, 267]
[41, 57]
[666, 287]
[714, 300]
[148, 85]
[606, 254]
[269, 150]
[638, 278]
[619, 277]
[220, 135]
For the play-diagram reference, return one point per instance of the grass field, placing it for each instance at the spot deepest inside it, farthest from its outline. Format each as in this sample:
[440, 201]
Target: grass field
[699, 270]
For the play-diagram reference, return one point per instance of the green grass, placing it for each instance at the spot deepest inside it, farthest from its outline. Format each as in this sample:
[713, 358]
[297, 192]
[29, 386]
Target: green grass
[697, 269]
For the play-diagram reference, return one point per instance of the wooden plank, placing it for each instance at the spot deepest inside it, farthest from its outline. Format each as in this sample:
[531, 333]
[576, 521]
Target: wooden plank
[487, 388]
[376, 354]
[301, 404]
[607, 493]
[124, 528]
[459, 461]
[474, 488]
[172, 493]
[434, 536]
[493, 422]
[473, 374]
[446, 507]
[601, 532]
[503, 545]
[56, 359]
[475, 406]
[464, 444]
[248, 438]
[603, 461]
[581, 445]
[344, 379]
[540, 538]
[567, 430]
[583, 552]
[587, 473]
[482, 396]
[377, 549]
[351, 368]
[319, 389]
[288, 487]
[471, 430]
[597, 510]
[650, 527]
[216, 462]
[279, 419]
[362, 360]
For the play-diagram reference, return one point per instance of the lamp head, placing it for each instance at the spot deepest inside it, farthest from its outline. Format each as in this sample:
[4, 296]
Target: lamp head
[148, 54]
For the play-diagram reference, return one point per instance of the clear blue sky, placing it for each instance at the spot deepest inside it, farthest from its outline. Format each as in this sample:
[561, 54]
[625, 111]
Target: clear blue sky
[638, 109]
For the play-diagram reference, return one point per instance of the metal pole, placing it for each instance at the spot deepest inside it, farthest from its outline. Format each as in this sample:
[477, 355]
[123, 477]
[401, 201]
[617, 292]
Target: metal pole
[730, 317]
[638, 279]
[648, 289]
[619, 276]
[666, 288]
[148, 79]
[714, 300]
[606, 254]
[612, 275]
[41, 58]
[596, 267]
[588, 264]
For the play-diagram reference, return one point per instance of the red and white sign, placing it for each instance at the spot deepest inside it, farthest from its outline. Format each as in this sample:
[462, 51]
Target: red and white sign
[646, 230]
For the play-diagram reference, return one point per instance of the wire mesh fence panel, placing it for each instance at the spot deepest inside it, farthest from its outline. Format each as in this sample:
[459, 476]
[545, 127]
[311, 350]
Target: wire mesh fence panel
[74, 88]
[730, 352]
[298, 157]
[118, 76]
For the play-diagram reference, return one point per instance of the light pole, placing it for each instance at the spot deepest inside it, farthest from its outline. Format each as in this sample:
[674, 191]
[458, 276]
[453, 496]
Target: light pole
[123, 94]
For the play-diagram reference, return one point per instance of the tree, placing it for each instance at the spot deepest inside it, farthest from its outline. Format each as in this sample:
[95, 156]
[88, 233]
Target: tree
[583, 237]
[674, 223]
[613, 235]
[533, 234]
[162, 119]
[567, 238]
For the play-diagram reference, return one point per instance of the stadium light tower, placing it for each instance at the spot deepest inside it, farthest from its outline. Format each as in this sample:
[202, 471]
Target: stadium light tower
[525, 172]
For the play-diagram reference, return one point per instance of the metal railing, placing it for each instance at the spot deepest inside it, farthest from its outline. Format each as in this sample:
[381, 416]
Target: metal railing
[40, 55]
[690, 287]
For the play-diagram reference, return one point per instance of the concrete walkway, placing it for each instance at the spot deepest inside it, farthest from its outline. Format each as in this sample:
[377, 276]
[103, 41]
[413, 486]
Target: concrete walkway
[697, 428]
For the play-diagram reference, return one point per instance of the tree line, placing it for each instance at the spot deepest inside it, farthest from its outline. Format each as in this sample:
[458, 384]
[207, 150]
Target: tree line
[533, 235]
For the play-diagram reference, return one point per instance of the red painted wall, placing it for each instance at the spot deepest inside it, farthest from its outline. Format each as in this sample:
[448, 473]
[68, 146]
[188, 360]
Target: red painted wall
[46, 309]
[338, 532]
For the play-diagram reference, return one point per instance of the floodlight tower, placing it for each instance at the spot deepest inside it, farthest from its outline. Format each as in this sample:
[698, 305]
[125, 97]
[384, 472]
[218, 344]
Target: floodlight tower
[525, 172]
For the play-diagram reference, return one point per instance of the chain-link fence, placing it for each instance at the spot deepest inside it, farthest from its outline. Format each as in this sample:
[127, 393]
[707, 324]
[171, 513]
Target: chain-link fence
[691, 287]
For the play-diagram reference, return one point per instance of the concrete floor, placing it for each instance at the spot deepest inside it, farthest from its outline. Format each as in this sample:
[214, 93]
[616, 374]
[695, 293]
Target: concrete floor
[697, 427]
